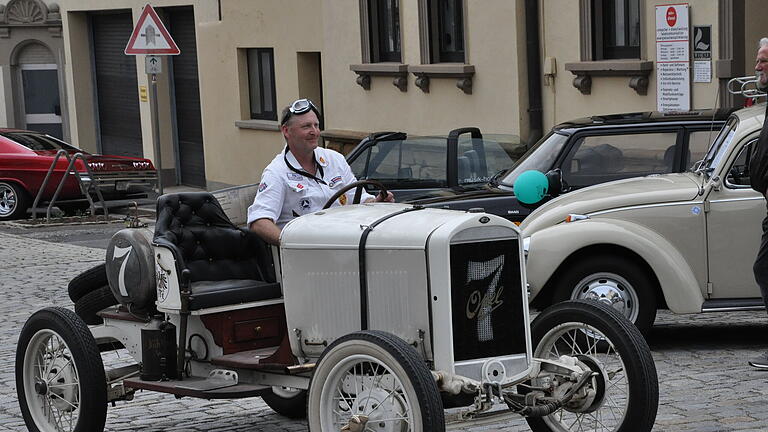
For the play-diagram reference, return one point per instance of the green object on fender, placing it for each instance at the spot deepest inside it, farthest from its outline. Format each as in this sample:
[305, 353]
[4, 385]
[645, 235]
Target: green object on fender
[531, 187]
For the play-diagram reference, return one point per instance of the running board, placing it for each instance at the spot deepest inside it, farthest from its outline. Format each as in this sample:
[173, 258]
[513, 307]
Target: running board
[189, 387]
[733, 305]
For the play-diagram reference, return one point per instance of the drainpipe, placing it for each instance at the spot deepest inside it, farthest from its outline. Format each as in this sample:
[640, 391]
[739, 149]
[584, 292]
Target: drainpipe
[533, 58]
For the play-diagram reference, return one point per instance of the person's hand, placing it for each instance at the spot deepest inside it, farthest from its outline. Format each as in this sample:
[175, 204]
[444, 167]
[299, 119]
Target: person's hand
[389, 198]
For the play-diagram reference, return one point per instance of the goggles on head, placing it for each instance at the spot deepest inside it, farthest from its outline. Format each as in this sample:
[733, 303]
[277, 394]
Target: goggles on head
[298, 107]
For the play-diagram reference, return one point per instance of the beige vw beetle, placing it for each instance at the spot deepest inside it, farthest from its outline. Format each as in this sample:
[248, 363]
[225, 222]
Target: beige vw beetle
[684, 241]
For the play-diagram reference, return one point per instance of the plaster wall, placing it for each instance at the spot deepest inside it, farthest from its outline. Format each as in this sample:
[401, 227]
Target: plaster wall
[495, 45]
[3, 110]
[755, 16]
[237, 155]
[562, 101]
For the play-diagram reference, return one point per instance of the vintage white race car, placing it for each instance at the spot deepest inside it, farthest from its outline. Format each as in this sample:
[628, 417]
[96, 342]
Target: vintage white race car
[372, 317]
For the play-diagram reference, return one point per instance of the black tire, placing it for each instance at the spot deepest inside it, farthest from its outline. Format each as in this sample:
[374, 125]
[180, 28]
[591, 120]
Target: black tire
[635, 366]
[87, 281]
[14, 201]
[90, 406]
[605, 272]
[389, 352]
[93, 302]
[293, 406]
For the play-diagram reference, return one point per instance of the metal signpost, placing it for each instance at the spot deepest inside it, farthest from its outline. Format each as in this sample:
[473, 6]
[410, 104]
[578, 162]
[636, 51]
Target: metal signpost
[151, 38]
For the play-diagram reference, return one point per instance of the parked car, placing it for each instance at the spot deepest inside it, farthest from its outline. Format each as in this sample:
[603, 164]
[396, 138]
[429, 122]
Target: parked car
[590, 151]
[26, 157]
[683, 241]
[439, 319]
[415, 166]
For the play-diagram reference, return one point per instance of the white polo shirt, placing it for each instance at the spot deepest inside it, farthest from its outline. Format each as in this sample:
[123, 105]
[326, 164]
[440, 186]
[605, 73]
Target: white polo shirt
[285, 194]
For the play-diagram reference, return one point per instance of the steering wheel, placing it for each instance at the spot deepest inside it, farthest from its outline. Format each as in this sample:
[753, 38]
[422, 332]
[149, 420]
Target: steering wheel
[358, 193]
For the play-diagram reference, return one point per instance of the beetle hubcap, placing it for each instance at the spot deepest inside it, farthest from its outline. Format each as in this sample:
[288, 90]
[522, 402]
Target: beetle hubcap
[610, 289]
[7, 200]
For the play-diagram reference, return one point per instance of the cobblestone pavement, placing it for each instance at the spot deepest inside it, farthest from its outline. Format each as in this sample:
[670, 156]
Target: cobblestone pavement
[705, 384]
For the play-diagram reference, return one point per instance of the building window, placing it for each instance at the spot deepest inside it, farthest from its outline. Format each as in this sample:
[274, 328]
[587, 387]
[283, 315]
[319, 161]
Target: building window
[384, 25]
[616, 29]
[261, 83]
[446, 30]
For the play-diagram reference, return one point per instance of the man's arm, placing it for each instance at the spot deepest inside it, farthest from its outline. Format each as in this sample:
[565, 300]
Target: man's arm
[267, 230]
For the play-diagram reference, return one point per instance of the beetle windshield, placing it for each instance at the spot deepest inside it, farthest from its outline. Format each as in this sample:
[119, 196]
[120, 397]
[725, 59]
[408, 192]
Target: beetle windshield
[540, 157]
[39, 142]
[719, 147]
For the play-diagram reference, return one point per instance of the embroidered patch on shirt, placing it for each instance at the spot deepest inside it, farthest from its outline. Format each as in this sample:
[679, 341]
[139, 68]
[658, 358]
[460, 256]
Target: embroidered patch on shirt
[343, 200]
[262, 186]
[294, 176]
[322, 161]
[334, 181]
[304, 203]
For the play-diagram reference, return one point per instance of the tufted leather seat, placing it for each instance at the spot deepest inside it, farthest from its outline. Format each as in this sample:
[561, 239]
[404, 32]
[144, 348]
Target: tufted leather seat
[227, 264]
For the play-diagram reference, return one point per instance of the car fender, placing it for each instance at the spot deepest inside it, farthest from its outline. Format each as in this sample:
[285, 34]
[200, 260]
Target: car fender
[550, 247]
[19, 182]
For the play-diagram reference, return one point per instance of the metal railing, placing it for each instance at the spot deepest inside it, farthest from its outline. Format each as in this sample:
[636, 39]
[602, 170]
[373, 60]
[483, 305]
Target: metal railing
[745, 86]
[84, 189]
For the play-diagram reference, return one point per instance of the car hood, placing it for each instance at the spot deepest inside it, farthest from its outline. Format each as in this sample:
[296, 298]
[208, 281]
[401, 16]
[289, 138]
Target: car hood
[652, 189]
[457, 194]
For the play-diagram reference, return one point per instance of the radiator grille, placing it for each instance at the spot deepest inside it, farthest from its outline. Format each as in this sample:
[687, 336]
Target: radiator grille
[486, 297]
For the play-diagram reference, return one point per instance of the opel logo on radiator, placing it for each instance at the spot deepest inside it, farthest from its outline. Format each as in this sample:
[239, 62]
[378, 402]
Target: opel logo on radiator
[481, 305]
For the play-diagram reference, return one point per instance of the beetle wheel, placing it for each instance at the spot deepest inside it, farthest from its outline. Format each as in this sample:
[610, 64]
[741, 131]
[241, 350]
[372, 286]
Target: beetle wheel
[626, 392]
[615, 281]
[60, 377]
[373, 378]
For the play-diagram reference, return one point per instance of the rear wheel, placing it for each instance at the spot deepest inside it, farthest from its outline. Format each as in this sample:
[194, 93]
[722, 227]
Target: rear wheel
[288, 402]
[373, 381]
[60, 378]
[14, 201]
[614, 281]
[626, 389]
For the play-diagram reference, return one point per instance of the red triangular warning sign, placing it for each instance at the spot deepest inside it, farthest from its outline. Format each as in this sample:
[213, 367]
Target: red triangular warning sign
[150, 36]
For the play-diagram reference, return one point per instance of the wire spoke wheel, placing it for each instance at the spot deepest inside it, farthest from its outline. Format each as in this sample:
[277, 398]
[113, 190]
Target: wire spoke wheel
[53, 386]
[59, 374]
[373, 381]
[624, 387]
[587, 343]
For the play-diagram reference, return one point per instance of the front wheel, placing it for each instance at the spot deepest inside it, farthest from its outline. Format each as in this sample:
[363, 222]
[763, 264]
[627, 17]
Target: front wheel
[60, 378]
[626, 388]
[373, 380]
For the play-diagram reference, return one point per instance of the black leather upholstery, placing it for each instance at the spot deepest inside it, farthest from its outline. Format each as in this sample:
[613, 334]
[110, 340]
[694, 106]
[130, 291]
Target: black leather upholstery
[204, 241]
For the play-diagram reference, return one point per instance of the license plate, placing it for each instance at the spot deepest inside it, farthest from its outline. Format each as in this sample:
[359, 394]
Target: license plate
[121, 185]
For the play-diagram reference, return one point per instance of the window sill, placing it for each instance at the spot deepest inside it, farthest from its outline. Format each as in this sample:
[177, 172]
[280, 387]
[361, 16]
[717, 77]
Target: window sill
[267, 125]
[463, 72]
[365, 71]
[637, 70]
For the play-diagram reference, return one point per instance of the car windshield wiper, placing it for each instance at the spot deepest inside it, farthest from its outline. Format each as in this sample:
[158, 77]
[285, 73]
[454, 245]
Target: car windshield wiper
[494, 180]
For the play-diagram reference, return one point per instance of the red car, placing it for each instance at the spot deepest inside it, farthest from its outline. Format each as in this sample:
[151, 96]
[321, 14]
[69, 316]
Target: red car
[26, 157]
